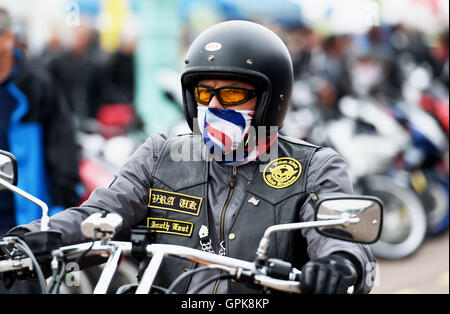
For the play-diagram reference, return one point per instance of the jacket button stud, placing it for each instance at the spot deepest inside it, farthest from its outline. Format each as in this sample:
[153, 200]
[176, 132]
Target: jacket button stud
[231, 236]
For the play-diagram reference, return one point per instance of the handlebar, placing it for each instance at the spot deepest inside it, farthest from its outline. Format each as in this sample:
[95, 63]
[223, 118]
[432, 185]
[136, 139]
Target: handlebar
[272, 273]
[116, 249]
[233, 266]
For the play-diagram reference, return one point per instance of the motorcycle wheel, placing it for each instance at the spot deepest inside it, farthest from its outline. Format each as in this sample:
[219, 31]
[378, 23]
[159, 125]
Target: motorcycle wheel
[437, 197]
[404, 218]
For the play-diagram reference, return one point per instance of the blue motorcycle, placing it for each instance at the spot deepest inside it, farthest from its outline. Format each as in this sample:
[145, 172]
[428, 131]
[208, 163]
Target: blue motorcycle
[426, 161]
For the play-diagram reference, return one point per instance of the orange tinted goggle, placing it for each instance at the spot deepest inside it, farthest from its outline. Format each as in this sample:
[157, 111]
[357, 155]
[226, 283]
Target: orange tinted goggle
[226, 95]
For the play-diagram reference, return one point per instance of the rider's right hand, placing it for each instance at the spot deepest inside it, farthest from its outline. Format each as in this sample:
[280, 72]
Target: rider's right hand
[332, 274]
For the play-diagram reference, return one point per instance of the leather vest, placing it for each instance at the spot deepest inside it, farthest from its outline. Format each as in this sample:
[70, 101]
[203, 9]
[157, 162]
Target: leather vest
[178, 206]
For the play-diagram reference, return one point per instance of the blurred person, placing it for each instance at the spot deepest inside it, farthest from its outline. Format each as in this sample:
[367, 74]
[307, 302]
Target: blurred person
[36, 126]
[78, 71]
[244, 80]
[301, 41]
[20, 35]
[410, 44]
[119, 77]
[334, 64]
[379, 59]
[53, 48]
[440, 52]
[327, 98]
[374, 68]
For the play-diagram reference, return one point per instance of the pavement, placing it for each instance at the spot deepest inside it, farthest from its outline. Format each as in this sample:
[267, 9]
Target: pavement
[424, 272]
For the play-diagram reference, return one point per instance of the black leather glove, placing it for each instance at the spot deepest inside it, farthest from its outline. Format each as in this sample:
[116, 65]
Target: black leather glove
[18, 232]
[332, 274]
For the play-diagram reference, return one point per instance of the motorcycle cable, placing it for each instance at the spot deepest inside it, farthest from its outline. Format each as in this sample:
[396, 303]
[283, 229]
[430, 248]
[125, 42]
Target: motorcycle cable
[21, 245]
[52, 281]
[212, 279]
[78, 260]
[58, 281]
[184, 275]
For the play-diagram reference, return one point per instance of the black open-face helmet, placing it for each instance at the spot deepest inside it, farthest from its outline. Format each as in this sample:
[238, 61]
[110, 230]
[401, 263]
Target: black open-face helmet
[241, 50]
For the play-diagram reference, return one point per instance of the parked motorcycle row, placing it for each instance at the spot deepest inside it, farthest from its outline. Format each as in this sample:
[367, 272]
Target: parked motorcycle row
[395, 150]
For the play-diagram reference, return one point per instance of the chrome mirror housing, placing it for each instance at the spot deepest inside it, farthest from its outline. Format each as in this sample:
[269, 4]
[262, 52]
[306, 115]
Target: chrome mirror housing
[364, 216]
[8, 168]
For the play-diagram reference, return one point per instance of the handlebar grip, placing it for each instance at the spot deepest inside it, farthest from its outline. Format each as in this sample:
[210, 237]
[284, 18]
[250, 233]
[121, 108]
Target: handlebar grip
[278, 284]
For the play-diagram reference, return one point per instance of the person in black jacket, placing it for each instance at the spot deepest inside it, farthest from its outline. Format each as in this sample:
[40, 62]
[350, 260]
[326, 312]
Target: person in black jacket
[36, 126]
[80, 72]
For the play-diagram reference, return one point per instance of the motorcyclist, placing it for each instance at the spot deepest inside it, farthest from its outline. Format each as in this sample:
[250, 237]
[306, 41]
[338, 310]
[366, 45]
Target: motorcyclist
[230, 181]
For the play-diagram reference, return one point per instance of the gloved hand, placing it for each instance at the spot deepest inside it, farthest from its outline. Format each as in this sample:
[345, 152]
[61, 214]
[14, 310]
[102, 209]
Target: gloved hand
[328, 275]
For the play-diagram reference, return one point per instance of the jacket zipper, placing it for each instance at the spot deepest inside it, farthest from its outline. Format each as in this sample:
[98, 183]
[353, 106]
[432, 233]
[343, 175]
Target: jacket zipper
[232, 184]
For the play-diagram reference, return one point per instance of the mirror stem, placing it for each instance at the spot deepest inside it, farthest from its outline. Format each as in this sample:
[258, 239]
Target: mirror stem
[264, 244]
[31, 198]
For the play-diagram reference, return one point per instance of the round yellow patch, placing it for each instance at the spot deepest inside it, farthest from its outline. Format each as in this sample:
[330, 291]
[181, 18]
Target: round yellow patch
[282, 172]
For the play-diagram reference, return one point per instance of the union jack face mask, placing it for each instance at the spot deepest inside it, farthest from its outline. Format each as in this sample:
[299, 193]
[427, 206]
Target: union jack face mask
[223, 129]
[226, 130]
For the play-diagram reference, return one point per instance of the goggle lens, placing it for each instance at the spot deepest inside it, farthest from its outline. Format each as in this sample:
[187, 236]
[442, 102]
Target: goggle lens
[226, 95]
[202, 95]
[232, 95]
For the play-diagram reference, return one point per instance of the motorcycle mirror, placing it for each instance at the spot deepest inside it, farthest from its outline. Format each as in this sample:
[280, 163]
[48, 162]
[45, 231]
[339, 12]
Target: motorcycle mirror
[8, 181]
[364, 217]
[8, 168]
[41, 242]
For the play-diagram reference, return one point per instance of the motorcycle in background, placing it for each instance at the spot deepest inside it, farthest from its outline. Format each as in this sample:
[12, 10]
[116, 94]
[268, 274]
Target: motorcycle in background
[425, 115]
[106, 143]
[426, 164]
[370, 140]
[376, 144]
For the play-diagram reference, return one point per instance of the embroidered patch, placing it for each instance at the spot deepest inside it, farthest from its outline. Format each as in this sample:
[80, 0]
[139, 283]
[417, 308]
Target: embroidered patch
[177, 202]
[282, 172]
[177, 227]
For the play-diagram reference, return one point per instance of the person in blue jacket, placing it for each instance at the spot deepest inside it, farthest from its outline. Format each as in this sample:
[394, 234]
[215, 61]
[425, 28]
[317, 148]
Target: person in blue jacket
[37, 127]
